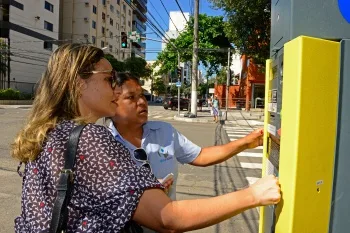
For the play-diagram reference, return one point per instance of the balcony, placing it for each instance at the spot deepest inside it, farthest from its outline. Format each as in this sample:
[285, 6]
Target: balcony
[138, 52]
[139, 15]
[140, 45]
[139, 28]
[141, 5]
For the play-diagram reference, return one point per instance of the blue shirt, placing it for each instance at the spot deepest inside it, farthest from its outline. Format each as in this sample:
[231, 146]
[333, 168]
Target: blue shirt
[165, 147]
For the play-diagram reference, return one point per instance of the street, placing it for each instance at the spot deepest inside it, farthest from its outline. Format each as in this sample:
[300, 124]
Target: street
[193, 182]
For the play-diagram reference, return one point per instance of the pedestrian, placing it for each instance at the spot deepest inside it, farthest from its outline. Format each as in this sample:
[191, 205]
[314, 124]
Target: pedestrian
[216, 107]
[210, 105]
[164, 145]
[79, 86]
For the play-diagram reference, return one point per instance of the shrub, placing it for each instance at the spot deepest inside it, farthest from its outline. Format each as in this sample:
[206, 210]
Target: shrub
[11, 94]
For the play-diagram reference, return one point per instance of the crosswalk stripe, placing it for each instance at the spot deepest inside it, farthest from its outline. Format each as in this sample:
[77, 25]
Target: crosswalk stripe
[252, 180]
[251, 165]
[237, 135]
[249, 154]
[157, 116]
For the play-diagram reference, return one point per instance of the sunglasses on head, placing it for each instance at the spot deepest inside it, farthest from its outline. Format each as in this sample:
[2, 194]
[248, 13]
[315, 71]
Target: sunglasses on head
[111, 79]
[141, 156]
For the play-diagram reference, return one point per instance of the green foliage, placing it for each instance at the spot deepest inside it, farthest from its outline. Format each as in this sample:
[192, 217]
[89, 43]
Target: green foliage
[3, 57]
[211, 35]
[117, 65]
[221, 76]
[11, 94]
[138, 67]
[248, 26]
[135, 65]
[158, 86]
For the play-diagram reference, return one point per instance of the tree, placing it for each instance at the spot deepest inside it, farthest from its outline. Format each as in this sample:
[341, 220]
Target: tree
[117, 65]
[135, 65]
[138, 66]
[248, 26]
[211, 36]
[158, 86]
[221, 76]
[3, 57]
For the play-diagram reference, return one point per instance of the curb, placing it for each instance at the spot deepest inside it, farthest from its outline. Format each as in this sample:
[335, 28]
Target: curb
[186, 119]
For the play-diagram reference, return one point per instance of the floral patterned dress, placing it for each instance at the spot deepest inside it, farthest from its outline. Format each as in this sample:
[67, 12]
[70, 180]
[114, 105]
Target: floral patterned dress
[107, 183]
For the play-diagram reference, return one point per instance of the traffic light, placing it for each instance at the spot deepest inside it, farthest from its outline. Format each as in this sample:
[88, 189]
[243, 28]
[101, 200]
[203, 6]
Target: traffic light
[179, 73]
[124, 40]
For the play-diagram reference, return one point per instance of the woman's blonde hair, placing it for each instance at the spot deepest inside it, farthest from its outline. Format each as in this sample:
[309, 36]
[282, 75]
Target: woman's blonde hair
[56, 97]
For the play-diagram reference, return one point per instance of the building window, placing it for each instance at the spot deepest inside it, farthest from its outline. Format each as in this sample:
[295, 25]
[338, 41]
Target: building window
[17, 4]
[104, 2]
[48, 45]
[123, 57]
[124, 8]
[103, 30]
[111, 7]
[102, 44]
[116, 51]
[111, 21]
[123, 21]
[129, 24]
[118, 2]
[94, 9]
[130, 12]
[117, 26]
[110, 48]
[111, 34]
[93, 40]
[93, 24]
[48, 6]
[103, 16]
[48, 26]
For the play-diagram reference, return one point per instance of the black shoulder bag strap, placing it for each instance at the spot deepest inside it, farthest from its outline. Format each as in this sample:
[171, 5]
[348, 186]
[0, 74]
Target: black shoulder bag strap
[65, 183]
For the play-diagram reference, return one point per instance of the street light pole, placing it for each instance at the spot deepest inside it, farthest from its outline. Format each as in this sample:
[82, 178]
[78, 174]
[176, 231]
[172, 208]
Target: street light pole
[228, 79]
[195, 60]
[178, 88]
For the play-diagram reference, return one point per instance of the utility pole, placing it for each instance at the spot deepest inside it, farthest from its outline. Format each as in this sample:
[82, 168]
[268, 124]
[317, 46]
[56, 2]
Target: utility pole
[195, 60]
[8, 64]
[228, 79]
[178, 88]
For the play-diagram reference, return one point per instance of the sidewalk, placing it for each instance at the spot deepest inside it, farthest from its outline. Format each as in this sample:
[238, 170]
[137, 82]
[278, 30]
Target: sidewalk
[234, 116]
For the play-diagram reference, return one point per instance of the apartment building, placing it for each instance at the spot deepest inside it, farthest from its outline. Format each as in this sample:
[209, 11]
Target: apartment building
[177, 24]
[30, 30]
[138, 25]
[98, 22]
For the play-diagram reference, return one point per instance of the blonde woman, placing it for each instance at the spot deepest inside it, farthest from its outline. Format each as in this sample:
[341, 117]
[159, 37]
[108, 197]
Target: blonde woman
[79, 86]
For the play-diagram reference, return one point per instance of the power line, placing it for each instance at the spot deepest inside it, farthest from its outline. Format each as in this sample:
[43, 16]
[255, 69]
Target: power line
[181, 10]
[27, 63]
[161, 1]
[166, 25]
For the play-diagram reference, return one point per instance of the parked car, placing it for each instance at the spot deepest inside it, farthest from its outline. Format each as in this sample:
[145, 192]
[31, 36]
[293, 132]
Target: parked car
[172, 103]
[159, 100]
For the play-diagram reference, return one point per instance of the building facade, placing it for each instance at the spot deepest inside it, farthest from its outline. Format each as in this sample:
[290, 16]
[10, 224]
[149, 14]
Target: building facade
[177, 24]
[139, 25]
[97, 22]
[29, 28]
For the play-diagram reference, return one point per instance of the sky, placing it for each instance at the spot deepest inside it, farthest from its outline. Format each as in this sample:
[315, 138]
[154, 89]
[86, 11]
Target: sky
[186, 6]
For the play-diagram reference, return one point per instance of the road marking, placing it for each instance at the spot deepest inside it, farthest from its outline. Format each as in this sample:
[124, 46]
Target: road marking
[237, 135]
[252, 180]
[251, 165]
[249, 154]
[157, 116]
